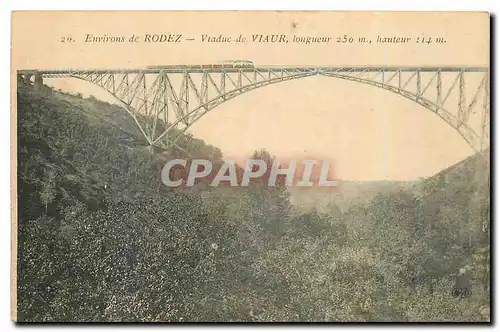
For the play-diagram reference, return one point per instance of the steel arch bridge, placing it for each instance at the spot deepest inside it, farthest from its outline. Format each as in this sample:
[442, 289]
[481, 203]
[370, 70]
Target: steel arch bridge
[178, 96]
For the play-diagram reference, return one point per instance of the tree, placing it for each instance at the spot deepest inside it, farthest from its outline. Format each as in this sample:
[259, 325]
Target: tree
[48, 189]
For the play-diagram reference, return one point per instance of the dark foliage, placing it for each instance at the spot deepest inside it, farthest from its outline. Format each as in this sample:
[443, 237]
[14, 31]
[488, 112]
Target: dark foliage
[101, 240]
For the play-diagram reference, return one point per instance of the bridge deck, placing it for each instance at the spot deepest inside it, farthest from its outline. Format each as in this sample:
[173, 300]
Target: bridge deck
[194, 69]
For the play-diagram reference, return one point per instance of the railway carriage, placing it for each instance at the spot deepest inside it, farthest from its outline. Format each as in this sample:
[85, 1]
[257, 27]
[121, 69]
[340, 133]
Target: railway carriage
[225, 64]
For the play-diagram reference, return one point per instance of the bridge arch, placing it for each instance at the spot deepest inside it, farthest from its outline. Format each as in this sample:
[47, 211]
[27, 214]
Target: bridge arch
[467, 133]
[187, 116]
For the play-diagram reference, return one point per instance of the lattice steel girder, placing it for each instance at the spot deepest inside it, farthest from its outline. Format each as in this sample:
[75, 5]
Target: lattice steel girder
[183, 95]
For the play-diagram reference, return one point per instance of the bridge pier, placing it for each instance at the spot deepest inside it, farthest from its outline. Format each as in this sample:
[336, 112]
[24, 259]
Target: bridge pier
[38, 83]
[151, 149]
[20, 79]
[25, 79]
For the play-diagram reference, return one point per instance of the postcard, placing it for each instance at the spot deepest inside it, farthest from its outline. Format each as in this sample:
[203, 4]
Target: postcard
[250, 166]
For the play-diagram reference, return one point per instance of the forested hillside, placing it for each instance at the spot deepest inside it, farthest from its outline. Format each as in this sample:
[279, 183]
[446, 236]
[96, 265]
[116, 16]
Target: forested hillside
[101, 239]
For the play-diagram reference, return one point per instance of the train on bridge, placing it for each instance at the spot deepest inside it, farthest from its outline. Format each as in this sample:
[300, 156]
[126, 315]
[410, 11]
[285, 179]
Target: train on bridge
[224, 64]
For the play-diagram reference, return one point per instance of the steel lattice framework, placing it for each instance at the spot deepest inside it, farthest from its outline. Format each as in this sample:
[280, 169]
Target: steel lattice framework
[161, 99]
